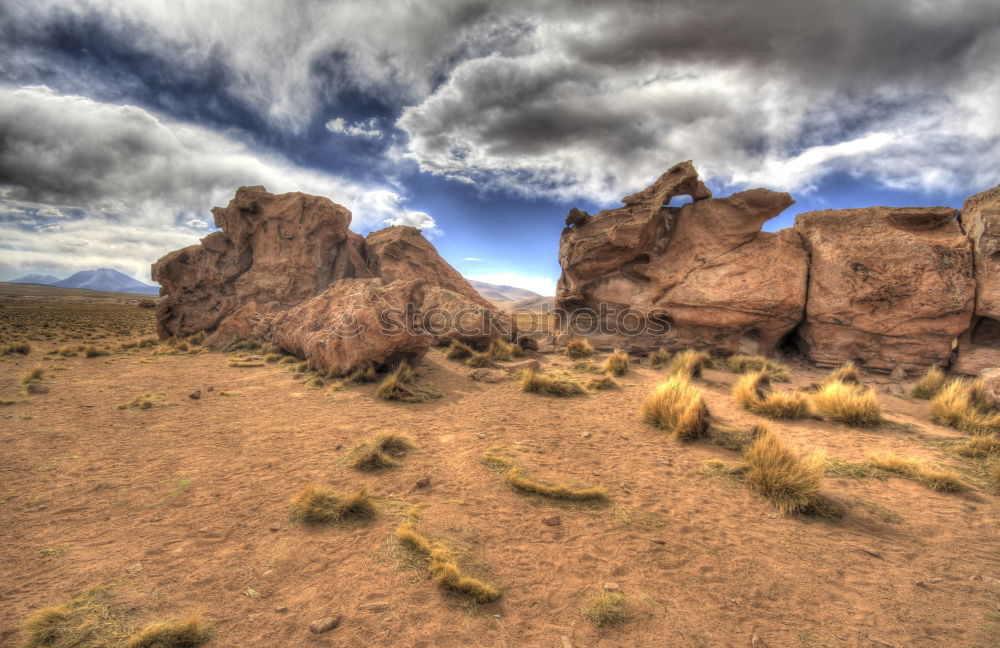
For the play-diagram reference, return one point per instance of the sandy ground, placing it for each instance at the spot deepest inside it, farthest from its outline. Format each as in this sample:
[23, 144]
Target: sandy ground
[185, 507]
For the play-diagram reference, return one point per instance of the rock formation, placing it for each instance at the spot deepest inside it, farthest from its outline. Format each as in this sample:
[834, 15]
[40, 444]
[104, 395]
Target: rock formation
[704, 270]
[890, 288]
[286, 269]
[887, 286]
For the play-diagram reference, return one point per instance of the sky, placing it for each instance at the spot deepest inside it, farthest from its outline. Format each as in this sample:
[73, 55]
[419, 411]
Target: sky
[122, 122]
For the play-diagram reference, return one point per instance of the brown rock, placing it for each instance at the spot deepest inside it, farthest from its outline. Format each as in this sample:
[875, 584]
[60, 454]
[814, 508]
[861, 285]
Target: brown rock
[552, 520]
[195, 395]
[147, 303]
[325, 624]
[37, 388]
[514, 367]
[972, 360]
[487, 375]
[423, 482]
[981, 221]
[887, 286]
[991, 383]
[705, 270]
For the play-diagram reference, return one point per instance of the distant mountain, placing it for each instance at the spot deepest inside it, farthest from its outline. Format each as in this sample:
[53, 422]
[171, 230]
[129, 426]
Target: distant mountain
[45, 280]
[537, 304]
[502, 294]
[107, 280]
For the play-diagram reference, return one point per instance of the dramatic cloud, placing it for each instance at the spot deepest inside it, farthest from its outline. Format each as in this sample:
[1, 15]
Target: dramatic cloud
[367, 128]
[130, 186]
[773, 92]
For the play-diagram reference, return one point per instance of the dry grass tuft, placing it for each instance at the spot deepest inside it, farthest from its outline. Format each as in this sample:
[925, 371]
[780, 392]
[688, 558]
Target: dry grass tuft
[659, 358]
[68, 351]
[963, 404]
[846, 373]
[244, 364]
[607, 609]
[34, 374]
[782, 475]
[929, 384]
[94, 352]
[189, 633]
[443, 568]
[690, 362]
[500, 350]
[480, 360]
[379, 452]
[850, 404]
[742, 364]
[939, 480]
[21, 348]
[678, 407]
[752, 393]
[322, 505]
[401, 385]
[579, 348]
[458, 351]
[196, 338]
[980, 446]
[602, 382]
[616, 364]
[549, 385]
[556, 491]
[142, 401]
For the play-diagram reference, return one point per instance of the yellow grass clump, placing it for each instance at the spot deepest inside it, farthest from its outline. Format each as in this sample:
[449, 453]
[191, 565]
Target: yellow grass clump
[963, 404]
[556, 491]
[322, 505]
[189, 633]
[616, 364]
[659, 358]
[790, 480]
[458, 351]
[443, 568]
[579, 348]
[847, 403]
[980, 446]
[690, 362]
[34, 374]
[380, 451]
[500, 350]
[607, 609]
[401, 385]
[741, 364]
[847, 373]
[678, 407]
[929, 384]
[21, 348]
[602, 382]
[549, 385]
[752, 393]
[939, 480]
[480, 360]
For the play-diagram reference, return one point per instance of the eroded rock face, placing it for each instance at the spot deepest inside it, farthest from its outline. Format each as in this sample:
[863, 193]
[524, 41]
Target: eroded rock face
[704, 269]
[286, 269]
[887, 286]
[980, 348]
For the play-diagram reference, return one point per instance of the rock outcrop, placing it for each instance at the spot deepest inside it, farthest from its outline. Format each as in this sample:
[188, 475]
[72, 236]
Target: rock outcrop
[286, 269]
[701, 275]
[890, 288]
[887, 286]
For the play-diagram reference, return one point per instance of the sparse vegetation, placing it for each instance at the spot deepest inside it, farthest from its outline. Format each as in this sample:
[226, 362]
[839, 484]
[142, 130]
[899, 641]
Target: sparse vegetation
[847, 374]
[402, 385]
[690, 363]
[929, 384]
[458, 351]
[659, 358]
[68, 351]
[143, 401]
[980, 446]
[20, 348]
[939, 480]
[753, 394]
[244, 364]
[500, 350]
[549, 384]
[742, 364]
[515, 478]
[616, 364]
[790, 480]
[189, 633]
[379, 452]
[322, 505]
[678, 407]
[607, 609]
[443, 568]
[963, 404]
[851, 404]
[602, 382]
[480, 360]
[579, 348]
[35, 374]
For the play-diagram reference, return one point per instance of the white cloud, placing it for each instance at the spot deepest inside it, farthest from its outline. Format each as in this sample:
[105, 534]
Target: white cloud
[471, 259]
[545, 286]
[134, 186]
[367, 128]
[421, 220]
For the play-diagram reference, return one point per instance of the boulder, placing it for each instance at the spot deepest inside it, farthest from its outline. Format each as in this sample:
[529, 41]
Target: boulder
[888, 286]
[991, 383]
[647, 275]
[980, 219]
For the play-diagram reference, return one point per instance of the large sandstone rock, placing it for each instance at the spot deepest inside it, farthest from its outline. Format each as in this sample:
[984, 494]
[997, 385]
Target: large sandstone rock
[286, 269]
[704, 270]
[887, 286]
[980, 348]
